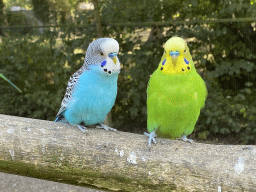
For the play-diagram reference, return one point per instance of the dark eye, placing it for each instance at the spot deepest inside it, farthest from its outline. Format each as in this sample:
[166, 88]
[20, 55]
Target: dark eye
[101, 53]
[184, 51]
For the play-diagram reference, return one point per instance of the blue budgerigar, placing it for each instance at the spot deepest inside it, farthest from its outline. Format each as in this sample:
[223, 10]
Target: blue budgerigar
[92, 90]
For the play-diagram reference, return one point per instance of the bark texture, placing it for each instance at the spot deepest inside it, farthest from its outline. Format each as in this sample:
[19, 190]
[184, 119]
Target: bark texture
[121, 161]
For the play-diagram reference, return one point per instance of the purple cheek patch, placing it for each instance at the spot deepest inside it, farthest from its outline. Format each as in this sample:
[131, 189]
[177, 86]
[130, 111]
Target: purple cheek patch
[103, 63]
[163, 62]
[186, 61]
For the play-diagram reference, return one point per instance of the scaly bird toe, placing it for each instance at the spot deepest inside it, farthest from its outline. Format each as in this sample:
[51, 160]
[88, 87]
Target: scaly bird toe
[184, 138]
[102, 126]
[82, 128]
[151, 136]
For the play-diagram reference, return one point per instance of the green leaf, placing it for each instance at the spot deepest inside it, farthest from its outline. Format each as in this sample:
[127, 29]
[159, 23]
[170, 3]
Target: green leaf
[248, 84]
[203, 135]
[1, 75]
[194, 3]
[133, 111]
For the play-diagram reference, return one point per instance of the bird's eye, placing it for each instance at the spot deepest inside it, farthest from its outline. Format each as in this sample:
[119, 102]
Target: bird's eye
[101, 53]
[185, 51]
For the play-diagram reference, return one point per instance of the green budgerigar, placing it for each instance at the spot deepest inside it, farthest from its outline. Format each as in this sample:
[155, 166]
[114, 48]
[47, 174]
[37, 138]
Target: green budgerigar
[176, 93]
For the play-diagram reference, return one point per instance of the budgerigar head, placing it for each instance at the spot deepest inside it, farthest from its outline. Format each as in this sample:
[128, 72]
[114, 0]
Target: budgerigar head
[176, 58]
[102, 53]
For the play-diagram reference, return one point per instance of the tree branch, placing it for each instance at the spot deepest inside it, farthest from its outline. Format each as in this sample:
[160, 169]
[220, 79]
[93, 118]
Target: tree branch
[121, 161]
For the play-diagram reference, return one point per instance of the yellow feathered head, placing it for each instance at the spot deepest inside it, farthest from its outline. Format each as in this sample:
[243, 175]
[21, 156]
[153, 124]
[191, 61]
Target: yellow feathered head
[176, 58]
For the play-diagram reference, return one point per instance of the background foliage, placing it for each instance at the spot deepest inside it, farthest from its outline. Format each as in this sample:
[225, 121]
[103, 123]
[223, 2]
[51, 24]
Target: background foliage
[224, 54]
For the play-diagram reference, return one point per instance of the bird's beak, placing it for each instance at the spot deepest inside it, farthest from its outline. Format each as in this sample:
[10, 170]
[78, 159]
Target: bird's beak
[113, 56]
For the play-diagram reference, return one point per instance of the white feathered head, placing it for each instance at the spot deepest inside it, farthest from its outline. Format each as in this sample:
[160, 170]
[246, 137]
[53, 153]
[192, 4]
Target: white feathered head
[103, 53]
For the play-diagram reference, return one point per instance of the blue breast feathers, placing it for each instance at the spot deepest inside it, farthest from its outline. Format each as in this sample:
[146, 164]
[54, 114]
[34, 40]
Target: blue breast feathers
[93, 97]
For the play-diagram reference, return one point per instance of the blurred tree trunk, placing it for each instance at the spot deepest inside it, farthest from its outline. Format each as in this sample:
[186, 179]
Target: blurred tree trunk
[63, 16]
[1, 16]
[41, 10]
[97, 18]
[156, 34]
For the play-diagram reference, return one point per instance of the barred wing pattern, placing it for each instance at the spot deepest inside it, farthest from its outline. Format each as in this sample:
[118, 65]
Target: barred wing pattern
[92, 57]
[71, 85]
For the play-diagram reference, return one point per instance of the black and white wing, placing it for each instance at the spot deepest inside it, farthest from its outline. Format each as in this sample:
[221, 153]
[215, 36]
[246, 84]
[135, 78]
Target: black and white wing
[69, 91]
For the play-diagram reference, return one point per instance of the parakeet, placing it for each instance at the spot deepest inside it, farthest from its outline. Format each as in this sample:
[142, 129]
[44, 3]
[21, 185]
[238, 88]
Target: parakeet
[1, 75]
[176, 93]
[92, 90]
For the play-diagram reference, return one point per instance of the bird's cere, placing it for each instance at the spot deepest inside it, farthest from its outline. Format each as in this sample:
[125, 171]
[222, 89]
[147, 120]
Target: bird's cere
[174, 53]
[111, 55]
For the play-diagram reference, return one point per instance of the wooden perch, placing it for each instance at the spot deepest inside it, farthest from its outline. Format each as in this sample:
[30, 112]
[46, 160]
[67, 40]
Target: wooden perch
[121, 161]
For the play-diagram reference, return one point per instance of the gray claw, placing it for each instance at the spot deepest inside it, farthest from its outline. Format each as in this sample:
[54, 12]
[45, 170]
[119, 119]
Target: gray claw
[82, 128]
[184, 138]
[151, 136]
[102, 126]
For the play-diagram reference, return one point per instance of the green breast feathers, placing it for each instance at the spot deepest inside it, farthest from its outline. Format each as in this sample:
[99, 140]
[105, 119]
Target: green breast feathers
[176, 93]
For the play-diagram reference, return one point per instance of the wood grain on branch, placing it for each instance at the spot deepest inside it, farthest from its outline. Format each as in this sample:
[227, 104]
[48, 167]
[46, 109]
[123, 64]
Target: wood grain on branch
[121, 161]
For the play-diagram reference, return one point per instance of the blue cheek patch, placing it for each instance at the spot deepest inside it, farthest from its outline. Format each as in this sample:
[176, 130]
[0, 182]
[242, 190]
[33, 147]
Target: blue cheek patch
[186, 61]
[103, 63]
[163, 62]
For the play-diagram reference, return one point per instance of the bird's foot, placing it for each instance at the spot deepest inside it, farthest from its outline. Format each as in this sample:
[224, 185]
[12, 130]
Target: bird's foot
[151, 136]
[82, 128]
[102, 126]
[184, 138]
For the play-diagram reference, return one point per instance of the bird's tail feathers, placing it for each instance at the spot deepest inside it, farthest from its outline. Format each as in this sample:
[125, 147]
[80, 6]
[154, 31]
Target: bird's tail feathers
[58, 118]
[61, 118]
